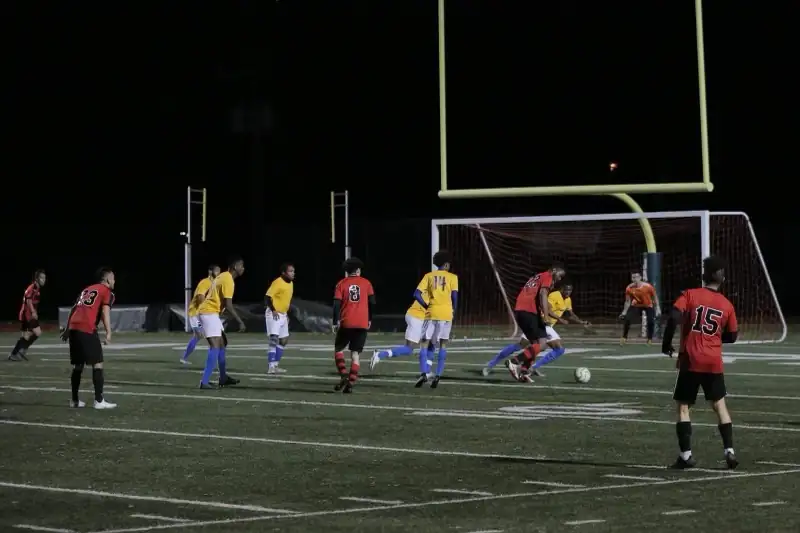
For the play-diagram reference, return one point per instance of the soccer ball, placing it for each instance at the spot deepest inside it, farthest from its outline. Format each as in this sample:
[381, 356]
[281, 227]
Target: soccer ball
[582, 375]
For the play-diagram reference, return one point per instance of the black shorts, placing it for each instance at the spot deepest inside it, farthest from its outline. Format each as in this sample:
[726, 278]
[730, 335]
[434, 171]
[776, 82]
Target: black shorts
[635, 314]
[688, 384]
[84, 348]
[354, 338]
[28, 325]
[531, 324]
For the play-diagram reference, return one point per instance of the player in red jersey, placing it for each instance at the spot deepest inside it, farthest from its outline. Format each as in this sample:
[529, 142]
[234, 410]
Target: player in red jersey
[707, 321]
[29, 317]
[532, 306]
[93, 305]
[353, 302]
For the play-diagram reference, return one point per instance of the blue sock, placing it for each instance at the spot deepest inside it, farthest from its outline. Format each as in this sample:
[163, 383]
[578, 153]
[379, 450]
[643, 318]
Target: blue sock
[190, 347]
[549, 356]
[508, 351]
[211, 364]
[278, 353]
[223, 364]
[440, 361]
[397, 351]
[423, 361]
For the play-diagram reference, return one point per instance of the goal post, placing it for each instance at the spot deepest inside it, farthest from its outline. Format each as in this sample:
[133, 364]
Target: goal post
[495, 256]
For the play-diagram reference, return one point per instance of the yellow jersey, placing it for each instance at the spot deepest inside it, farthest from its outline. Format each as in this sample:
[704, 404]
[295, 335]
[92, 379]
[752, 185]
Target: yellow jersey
[440, 286]
[202, 288]
[281, 293]
[416, 310]
[558, 305]
[221, 289]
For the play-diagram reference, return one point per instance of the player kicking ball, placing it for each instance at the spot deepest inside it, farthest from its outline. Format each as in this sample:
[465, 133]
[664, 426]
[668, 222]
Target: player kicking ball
[194, 320]
[707, 320]
[353, 303]
[277, 301]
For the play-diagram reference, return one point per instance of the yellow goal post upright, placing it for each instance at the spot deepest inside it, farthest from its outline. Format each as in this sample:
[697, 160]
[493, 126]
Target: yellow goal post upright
[193, 197]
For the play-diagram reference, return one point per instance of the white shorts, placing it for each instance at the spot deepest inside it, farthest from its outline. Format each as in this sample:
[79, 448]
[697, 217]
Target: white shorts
[211, 324]
[194, 323]
[415, 328]
[438, 330]
[551, 334]
[279, 327]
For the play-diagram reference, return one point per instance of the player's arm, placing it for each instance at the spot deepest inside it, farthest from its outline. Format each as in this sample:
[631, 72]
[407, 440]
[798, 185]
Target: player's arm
[731, 332]
[338, 297]
[422, 288]
[271, 293]
[454, 293]
[656, 303]
[627, 304]
[675, 315]
[65, 331]
[544, 301]
[30, 306]
[227, 296]
[106, 318]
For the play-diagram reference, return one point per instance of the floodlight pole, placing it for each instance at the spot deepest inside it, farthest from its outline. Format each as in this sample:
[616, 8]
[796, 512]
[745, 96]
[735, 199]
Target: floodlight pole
[187, 248]
[345, 196]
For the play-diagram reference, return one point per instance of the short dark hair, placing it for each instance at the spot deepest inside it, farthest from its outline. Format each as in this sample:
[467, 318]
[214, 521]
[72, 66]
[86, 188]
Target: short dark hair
[233, 260]
[102, 272]
[441, 257]
[351, 265]
[556, 266]
[37, 273]
[711, 265]
[285, 266]
[212, 266]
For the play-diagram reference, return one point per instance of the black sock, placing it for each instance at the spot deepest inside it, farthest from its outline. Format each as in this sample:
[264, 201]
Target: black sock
[18, 345]
[75, 379]
[726, 432]
[651, 327]
[30, 341]
[626, 326]
[684, 431]
[97, 379]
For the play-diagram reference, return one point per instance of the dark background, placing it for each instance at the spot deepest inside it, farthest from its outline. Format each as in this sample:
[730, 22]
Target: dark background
[113, 109]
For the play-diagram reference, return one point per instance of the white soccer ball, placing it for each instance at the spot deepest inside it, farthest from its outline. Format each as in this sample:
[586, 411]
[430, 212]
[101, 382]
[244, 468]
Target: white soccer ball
[582, 375]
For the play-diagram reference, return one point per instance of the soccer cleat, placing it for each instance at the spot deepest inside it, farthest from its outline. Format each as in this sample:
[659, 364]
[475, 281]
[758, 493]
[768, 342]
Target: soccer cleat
[435, 382]
[77, 405]
[683, 464]
[22, 354]
[622, 341]
[275, 369]
[374, 361]
[513, 369]
[525, 377]
[348, 388]
[421, 380]
[14, 357]
[486, 371]
[342, 382]
[649, 342]
[730, 460]
[185, 362]
[536, 372]
[207, 386]
[103, 404]
[228, 382]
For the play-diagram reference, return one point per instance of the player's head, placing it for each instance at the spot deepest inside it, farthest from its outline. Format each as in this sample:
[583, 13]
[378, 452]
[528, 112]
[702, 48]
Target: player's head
[558, 272]
[713, 270]
[287, 271]
[236, 266]
[39, 277]
[442, 260]
[106, 276]
[353, 266]
[566, 290]
[636, 277]
[213, 271]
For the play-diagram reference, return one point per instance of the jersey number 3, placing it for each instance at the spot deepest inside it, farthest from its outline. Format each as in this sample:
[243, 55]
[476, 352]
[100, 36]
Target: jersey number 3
[706, 320]
[87, 298]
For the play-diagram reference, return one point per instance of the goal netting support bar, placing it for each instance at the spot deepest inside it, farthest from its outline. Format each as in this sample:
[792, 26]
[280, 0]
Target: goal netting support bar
[494, 257]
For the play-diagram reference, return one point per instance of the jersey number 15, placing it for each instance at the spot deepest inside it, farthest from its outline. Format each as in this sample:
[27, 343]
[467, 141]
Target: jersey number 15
[706, 320]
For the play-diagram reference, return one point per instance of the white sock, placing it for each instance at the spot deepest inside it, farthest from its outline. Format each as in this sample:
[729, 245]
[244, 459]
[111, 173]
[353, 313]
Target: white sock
[273, 364]
[729, 451]
[686, 455]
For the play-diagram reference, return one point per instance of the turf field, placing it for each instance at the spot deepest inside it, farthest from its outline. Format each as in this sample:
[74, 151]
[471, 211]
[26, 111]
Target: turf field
[475, 455]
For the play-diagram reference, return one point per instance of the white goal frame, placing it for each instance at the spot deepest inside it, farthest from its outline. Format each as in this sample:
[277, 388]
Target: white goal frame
[705, 243]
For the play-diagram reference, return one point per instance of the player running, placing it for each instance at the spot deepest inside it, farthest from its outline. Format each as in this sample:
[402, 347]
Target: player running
[353, 303]
[218, 298]
[560, 305]
[707, 320]
[29, 317]
[531, 308]
[640, 297]
[194, 320]
[93, 305]
[277, 301]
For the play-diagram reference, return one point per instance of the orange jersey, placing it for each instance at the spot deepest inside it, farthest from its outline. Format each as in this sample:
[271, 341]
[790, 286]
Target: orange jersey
[641, 296]
[706, 314]
[354, 293]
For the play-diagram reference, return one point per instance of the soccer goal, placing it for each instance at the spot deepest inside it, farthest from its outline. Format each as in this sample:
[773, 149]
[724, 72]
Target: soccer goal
[495, 256]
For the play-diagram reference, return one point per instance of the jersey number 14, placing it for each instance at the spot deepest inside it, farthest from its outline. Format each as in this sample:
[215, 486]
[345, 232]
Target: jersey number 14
[439, 283]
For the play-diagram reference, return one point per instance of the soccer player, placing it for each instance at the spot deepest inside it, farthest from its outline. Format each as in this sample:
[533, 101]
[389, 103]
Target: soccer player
[707, 320]
[93, 305]
[639, 296]
[218, 298]
[560, 305]
[194, 321]
[277, 301]
[531, 307]
[442, 287]
[353, 303]
[29, 317]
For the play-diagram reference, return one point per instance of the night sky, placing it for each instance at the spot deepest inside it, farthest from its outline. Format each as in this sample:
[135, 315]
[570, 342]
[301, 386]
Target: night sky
[112, 110]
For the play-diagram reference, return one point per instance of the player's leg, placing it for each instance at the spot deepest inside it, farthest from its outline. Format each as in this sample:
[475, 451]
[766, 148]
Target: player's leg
[30, 336]
[94, 358]
[715, 391]
[225, 379]
[431, 332]
[24, 341]
[687, 385]
[556, 350]
[340, 343]
[443, 337]
[283, 341]
[357, 339]
[77, 360]
[212, 326]
[197, 334]
[413, 335]
[626, 322]
[650, 317]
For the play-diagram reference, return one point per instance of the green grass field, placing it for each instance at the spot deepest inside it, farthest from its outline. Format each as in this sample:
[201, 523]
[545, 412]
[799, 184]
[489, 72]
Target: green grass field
[475, 455]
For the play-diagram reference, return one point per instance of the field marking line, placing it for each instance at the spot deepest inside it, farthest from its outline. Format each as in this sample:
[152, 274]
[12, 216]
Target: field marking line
[31, 527]
[639, 478]
[462, 491]
[487, 531]
[136, 497]
[662, 467]
[583, 522]
[678, 512]
[768, 504]
[159, 518]
[552, 484]
[773, 463]
[371, 500]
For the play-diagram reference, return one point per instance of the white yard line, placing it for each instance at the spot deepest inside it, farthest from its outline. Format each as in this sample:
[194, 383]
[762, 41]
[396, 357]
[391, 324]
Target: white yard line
[635, 478]
[768, 504]
[487, 531]
[371, 500]
[552, 484]
[707, 470]
[462, 491]
[160, 518]
[773, 463]
[583, 522]
[679, 512]
[31, 527]
[136, 497]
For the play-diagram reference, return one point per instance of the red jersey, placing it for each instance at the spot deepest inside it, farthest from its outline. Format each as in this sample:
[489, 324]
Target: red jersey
[88, 309]
[31, 295]
[528, 298]
[354, 292]
[706, 314]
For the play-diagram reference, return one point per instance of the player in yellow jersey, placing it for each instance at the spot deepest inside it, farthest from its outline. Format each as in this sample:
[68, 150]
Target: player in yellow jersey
[194, 320]
[278, 300]
[218, 298]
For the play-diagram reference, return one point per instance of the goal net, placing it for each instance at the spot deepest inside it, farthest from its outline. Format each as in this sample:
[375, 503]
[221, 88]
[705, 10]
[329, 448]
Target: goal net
[495, 257]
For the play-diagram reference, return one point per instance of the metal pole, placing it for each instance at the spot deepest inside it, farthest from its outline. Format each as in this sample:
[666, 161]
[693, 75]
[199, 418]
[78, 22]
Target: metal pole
[346, 225]
[187, 260]
[333, 217]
